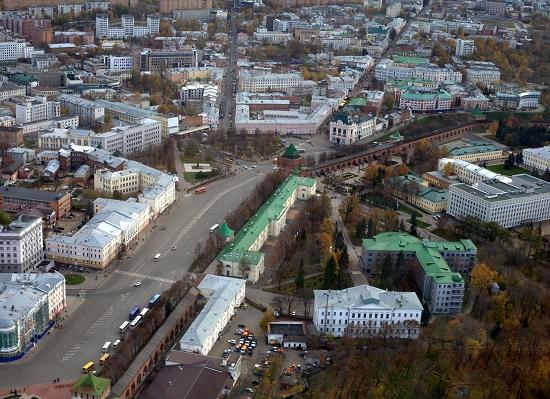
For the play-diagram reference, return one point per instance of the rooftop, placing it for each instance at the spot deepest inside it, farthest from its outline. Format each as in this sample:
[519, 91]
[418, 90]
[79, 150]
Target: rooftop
[364, 295]
[494, 190]
[30, 194]
[238, 249]
[427, 252]
[92, 385]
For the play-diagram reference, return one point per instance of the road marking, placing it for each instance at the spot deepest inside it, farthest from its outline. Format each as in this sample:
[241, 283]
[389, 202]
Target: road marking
[124, 296]
[187, 195]
[144, 276]
[196, 218]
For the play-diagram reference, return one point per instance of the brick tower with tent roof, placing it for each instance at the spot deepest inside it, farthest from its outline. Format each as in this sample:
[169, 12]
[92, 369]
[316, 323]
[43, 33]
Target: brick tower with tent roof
[290, 160]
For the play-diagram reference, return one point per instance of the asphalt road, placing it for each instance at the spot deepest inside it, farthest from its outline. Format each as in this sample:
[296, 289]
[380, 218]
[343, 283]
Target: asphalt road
[99, 312]
[227, 106]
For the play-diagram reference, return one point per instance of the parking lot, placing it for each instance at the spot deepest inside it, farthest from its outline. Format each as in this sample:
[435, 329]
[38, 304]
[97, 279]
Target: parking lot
[250, 319]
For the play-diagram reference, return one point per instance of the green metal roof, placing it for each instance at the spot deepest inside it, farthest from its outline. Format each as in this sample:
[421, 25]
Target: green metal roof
[427, 252]
[89, 383]
[477, 111]
[225, 231]
[358, 102]
[400, 59]
[272, 209]
[396, 135]
[417, 95]
[431, 194]
[291, 152]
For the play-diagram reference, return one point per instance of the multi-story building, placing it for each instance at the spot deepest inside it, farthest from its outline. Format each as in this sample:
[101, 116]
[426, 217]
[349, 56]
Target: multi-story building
[10, 137]
[117, 63]
[475, 151]
[538, 158]
[17, 198]
[263, 82]
[517, 99]
[345, 128]
[19, 155]
[115, 227]
[88, 112]
[486, 74]
[33, 109]
[435, 266]
[518, 200]
[129, 139]
[8, 51]
[366, 311]
[133, 115]
[124, 182]
[271, 37]
[418, 192]
[101, 25]
[168, 6]
[495, 7]
[393, 10]
[29, 305]
[155, 60]
[9, 90]
[224, 295]
[241, 257]
[411, 68]
[127, 27]
[57, 138]
[464, 47]
[197, 92]
[470, 173]
[423, 100]
[21, 245]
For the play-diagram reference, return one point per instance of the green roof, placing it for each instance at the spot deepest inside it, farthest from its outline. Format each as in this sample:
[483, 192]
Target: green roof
[272, 209]
[473, 149]
[418, 95]
[400, 59]
[428, 253]
[431, 194]
[225, 231]
[477, 111]
[89, 383]
[291, 152]
[358, 102]
[396, 135]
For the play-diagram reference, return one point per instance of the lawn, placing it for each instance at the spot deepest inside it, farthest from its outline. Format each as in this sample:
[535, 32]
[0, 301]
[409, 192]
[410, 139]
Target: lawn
[421, 224]
[74, 279]
[516, 170]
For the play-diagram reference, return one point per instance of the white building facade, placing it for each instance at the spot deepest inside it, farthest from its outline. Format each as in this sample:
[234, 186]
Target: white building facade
[35, 109]
[366, 311]
[21, 245]
[538, 158]
[346, 129]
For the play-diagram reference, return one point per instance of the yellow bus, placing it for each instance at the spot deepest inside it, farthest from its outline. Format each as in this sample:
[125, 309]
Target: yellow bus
[104, 358]
[88, 367]
[228, 160]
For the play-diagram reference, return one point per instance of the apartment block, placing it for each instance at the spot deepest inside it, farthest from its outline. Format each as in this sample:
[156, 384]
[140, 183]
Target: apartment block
[436, 266]
[464, 47]
[13, 199]
[33, 109]
[89, 112]
[21, 245]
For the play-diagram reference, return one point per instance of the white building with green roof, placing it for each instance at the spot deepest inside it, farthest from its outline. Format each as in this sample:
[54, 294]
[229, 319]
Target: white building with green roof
[241, 257]
[436, 265]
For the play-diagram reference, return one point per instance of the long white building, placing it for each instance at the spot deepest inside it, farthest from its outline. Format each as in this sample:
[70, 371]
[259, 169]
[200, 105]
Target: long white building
[130, 139]
[256, 82]
[115, 226]
[89, 112]
[389, 70]
[29, 304]
[366, 311]
[21, 245]
[470, 173]
[523, 199]
[224, 294]
[33, 109]
[517, 99]
[538, 158]
[484, 73]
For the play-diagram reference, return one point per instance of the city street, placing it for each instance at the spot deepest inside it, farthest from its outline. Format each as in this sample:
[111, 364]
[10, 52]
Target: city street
[97, 313]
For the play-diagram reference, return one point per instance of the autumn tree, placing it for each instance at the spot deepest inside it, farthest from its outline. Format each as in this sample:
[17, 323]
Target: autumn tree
[482, 276]
[352, 209]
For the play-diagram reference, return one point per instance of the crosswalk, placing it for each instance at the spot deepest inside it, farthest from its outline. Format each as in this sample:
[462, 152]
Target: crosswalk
[89, 333]
[146, 277]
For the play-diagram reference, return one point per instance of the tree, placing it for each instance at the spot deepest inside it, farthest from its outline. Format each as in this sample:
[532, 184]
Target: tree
[360, 228]
[413, 229]
[448, 169]
[519, 158]
[386, 273]
[370, 228]
[4, 219]
[402, 169]
[331, 274]
[482, 276]
[493, 127]
[509, 162]
[267, 318]
[299, 280]
[546, 175]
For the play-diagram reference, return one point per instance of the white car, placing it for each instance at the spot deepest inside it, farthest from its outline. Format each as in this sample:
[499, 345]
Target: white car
[137, 283]
[174, 247]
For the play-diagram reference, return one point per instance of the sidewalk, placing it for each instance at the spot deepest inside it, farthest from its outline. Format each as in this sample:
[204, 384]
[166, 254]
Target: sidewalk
[61, 390]
[355, 271]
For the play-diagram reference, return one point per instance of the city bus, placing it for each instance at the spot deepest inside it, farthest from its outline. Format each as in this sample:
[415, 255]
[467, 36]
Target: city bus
[133, 313]
[156, 258]
[123, 327]
[104, 358]
[143, 312]
[200, 190]
[154, 300]
[214, 228]
[88, 367]
[106, 347]
[135, 322]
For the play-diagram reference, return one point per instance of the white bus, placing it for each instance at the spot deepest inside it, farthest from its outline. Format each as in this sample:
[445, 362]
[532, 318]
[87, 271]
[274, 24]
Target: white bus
[143, 312]
[123, 327]
[157, 257]
[106, 347]
[135, 322]
[213, 228]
